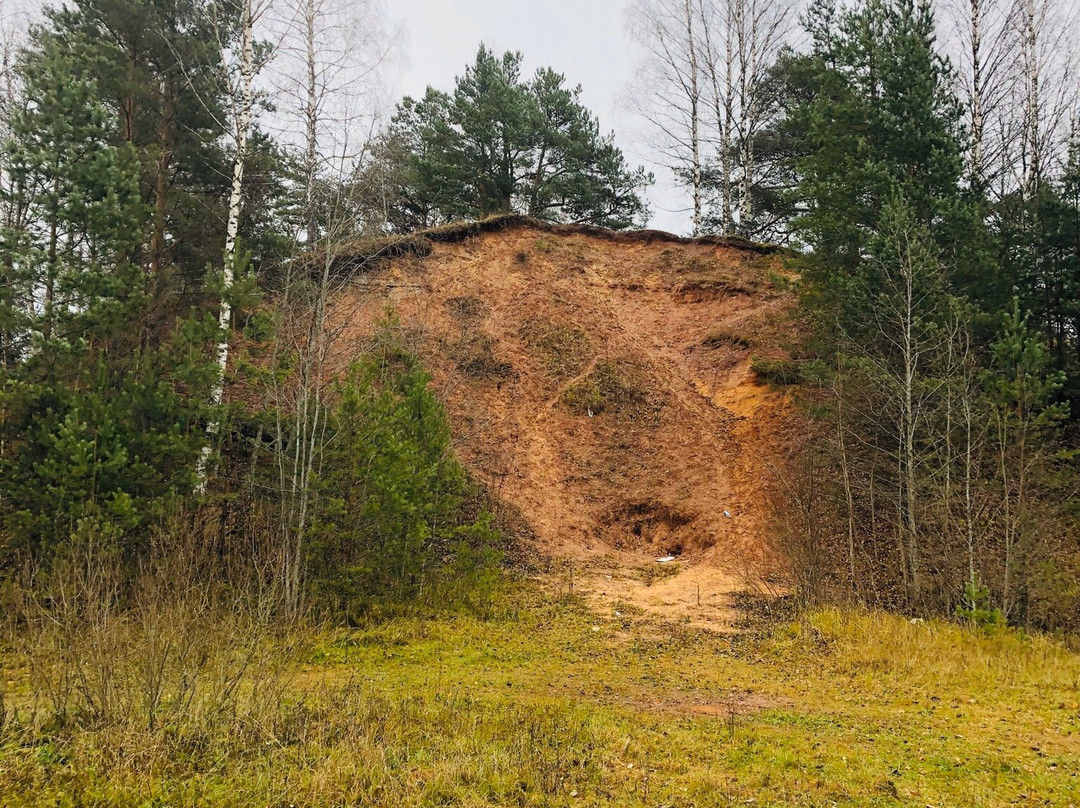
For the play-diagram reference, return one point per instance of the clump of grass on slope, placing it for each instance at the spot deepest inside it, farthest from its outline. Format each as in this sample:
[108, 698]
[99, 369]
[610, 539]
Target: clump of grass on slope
[613, 386]
[563, 347]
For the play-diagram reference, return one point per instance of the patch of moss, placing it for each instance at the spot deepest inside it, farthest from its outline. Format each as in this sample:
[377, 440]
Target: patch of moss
[466, 307]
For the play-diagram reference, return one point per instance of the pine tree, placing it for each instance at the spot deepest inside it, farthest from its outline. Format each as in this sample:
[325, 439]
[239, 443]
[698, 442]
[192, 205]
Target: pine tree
[95, 424]
[1040, 252]
[1022, 386]
[157, 68]
[501, 144]
[877, 120]
[391, 520]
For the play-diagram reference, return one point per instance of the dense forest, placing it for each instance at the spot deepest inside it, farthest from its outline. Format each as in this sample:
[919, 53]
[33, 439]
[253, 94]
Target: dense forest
[178, 177]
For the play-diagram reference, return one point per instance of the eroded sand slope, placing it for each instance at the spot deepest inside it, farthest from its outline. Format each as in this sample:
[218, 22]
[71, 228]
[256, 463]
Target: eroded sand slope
[604, 390]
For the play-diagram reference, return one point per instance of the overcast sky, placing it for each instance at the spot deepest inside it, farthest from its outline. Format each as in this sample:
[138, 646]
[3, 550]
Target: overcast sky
[584, 39]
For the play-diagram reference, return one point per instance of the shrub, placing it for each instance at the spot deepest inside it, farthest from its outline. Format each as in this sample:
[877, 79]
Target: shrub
[391, 522]
[167, 648]
[781, 372]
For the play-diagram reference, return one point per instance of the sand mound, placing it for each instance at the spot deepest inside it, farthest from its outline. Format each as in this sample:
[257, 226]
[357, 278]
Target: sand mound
[604, 389]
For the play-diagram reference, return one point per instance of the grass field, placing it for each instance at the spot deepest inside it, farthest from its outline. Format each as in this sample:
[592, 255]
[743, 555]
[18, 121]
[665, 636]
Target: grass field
[547, 703]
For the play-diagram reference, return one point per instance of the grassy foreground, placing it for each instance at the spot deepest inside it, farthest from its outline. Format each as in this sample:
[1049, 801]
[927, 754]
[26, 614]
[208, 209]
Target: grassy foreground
[550, 704]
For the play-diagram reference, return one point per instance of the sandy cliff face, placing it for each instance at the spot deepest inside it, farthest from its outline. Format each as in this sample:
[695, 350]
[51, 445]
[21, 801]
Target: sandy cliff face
[604, 389]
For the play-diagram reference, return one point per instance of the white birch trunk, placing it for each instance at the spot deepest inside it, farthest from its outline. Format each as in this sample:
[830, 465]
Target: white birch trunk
[695, 118]
[1032, 109]
[978, 124]
[243, 124]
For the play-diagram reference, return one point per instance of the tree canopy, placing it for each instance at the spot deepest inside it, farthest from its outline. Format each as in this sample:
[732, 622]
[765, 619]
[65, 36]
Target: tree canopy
[499, 144]
[878, 120]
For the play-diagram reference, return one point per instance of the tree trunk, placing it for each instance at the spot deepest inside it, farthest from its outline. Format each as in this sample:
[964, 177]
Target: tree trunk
[311, 123]
[52, 256]
[849, 497]
[161, 186]
[1032, 106]
[695, 118]
[243, 124]
[727, 127]
[908, 434]
[977, 120]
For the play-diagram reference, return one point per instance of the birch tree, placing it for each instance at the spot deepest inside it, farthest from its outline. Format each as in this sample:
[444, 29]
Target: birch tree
[705, 94]
[906, 315]
[1046, 95]
[324, 80]
[669, 94]
[743, 40]
[328, 76]
[981, 39]
[304, 341]
[241, 59]
[719, 48]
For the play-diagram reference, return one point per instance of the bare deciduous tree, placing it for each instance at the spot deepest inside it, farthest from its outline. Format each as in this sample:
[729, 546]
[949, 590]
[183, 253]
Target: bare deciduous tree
[753, 32]
[981, 39]
[669, 94]
[305, 340]
[242, 69]
[704, 93]
[1045, 96]
[327, 77]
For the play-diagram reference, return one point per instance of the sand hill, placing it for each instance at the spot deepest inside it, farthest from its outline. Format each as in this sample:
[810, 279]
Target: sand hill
[603, 387]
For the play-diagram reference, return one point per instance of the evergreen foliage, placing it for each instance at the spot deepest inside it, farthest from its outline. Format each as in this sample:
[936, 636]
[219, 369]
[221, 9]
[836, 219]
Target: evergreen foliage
[877, 120]
[392, 523]
[946, 397]
[501, 144]
[97, 433]
[158, 72]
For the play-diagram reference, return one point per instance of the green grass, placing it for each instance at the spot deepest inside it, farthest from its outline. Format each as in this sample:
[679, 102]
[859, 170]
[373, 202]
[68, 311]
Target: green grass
[549, 704]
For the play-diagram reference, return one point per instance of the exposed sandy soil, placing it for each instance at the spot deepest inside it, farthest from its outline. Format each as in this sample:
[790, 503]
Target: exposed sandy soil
[605, 392]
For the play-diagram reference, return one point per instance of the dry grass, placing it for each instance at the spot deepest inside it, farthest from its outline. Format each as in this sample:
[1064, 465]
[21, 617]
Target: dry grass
[618, 386]
[563, 348]
[546, 703]
[473, 353]
[724, 338]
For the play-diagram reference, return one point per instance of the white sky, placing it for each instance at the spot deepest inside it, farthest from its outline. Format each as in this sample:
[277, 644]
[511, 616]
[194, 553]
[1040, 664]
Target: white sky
[583, 39]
